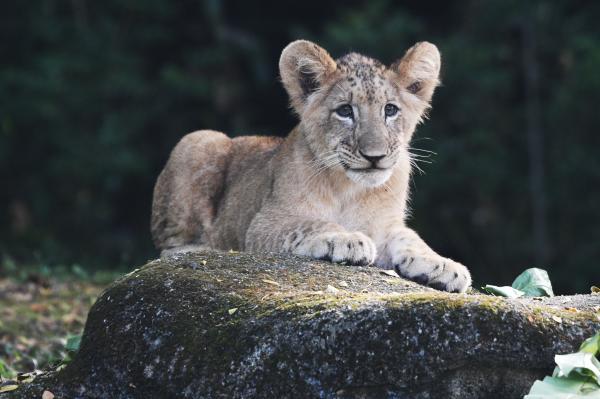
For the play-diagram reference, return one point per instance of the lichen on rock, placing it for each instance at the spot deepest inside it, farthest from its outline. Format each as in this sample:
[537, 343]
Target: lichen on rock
[222, 324]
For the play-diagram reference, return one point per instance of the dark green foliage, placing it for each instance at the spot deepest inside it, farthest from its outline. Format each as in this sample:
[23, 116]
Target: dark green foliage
[93, 95]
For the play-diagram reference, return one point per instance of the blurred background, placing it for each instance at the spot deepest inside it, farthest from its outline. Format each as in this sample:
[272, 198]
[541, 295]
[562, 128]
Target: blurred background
[94, 95]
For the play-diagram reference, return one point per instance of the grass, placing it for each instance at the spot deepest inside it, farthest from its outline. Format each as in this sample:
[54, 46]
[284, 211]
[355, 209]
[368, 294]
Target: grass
[41, 309]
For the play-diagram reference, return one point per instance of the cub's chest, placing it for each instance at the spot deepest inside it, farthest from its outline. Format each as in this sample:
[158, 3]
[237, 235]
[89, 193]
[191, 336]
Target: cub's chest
[344, 209]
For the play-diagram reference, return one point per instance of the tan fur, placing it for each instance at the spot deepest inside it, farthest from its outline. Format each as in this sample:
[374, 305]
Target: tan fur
[335, 188]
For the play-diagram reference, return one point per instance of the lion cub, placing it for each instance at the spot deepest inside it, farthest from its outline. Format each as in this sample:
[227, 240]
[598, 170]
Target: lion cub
[335, 188]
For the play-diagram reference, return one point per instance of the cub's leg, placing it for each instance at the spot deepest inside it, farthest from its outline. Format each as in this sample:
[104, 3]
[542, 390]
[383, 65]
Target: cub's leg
[188, 190]
[411, 257]
[314, 238]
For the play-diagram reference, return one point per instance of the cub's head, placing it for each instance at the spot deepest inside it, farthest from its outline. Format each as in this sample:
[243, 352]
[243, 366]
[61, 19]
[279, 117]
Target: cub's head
[357, 114]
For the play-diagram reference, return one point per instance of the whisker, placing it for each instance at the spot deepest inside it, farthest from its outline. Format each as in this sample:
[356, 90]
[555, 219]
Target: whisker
[422, 150]
[416, 166]
[419, 156]
[421, 160]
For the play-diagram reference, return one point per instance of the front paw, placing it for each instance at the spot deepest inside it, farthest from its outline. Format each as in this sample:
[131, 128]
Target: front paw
[434, 271]
[351, 248]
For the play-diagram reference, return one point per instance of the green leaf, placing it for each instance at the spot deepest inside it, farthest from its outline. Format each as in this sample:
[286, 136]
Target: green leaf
[73, 342]
[582, 363]
[6, 371]
[534, 282]
[509, 292]
[564, 388]
[577, 375]
[591, 345]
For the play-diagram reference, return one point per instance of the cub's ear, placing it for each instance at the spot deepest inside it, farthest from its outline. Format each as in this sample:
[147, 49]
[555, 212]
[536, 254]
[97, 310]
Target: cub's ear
[419, 70]
[304, 68]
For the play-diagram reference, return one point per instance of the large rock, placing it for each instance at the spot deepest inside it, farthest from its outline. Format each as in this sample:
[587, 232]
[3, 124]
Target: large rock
[217, 324]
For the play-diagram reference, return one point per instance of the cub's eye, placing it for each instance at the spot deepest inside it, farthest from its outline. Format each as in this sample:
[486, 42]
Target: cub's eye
[390, 110]
[345, 111]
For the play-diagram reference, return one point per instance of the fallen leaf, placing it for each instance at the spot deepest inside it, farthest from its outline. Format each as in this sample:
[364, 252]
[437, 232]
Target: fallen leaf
[595, 290]
[270, 282]
[203, 262]
[232, 310]
[577, 375]
[557, 319]
[390, 272]
[231, 251]
[571, 309]
[73, 343]
[38, 307]
[331, 289]
[25, 377]
[47, 395]
[8, 386]
[534, 282]
[561, 388]
[70, 318]
[583, 363]
[342, 284]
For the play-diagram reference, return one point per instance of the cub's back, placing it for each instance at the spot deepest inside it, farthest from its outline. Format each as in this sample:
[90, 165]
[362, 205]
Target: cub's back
[248, 183]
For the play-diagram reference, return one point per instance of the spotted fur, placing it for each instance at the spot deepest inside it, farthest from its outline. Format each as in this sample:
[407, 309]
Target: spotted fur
[335, 188]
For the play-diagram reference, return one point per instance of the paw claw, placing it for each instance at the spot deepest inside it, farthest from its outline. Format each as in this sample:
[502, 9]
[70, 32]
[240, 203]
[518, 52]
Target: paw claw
[435, 272]
[341, 247]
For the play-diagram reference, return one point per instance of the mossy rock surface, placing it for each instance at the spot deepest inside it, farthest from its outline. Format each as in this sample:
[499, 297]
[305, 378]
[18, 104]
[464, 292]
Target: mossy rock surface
[240, 325]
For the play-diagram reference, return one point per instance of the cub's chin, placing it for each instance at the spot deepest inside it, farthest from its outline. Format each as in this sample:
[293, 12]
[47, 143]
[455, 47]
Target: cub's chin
[369, 177]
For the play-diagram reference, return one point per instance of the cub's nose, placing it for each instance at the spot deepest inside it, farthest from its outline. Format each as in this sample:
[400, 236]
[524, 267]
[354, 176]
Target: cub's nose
[372, 157]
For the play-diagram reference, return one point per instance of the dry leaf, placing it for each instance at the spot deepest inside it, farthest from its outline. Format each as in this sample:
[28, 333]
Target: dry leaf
[557, 319]
[203, 262]
[572, 309]
[232, 310]
[47, 395]
[270, 282]
[38, 307]
[595, 290]
[342, 284]
[331, 289]
[390, 273]
[69, 318]
[8, 387]
[266, 296]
